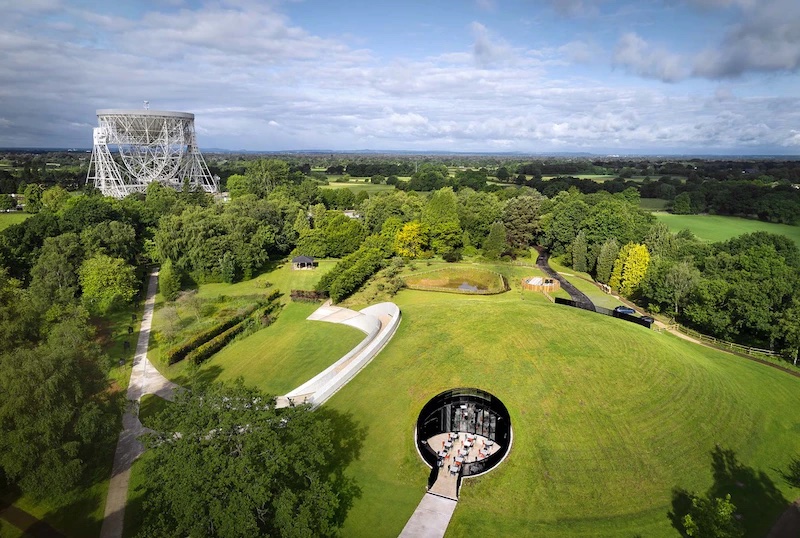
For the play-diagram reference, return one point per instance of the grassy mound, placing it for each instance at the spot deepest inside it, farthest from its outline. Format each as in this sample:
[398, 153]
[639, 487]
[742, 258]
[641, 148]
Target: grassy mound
[472, 280]
[609, 418]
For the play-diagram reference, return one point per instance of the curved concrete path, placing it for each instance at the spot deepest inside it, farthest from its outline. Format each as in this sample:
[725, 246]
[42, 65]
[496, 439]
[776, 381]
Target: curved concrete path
[145, 379]
[379, 322]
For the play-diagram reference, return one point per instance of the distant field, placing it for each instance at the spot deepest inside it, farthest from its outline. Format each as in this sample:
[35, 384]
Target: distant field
[357, 187]
[7, 219]
[715, 228]
[653, 204]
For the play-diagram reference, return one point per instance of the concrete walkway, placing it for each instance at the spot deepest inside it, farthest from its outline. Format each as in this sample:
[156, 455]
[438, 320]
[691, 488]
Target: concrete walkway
[431, 518]
[379, 322]
[145, 379]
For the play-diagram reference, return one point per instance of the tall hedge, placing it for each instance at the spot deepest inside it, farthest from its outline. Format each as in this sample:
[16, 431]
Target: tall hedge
[169, 281]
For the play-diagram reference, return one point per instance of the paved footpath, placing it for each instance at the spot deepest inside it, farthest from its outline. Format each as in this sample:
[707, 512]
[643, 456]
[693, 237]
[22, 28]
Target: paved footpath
[145, 379]
[431, 518]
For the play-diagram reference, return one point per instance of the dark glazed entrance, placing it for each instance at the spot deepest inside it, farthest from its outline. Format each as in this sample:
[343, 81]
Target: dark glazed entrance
[465, 410]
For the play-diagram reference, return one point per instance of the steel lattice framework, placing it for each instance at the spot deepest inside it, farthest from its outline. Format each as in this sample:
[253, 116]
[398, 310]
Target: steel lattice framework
[152, 145]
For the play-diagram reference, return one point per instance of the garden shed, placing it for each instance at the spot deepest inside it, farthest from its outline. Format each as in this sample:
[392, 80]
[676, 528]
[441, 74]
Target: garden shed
[302, 262]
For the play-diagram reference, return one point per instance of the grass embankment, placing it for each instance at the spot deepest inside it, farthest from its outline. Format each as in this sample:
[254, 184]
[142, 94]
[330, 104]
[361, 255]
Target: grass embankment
[653, 204]
[714, 228]
[279, 357]
[7, 219]
[608, 419]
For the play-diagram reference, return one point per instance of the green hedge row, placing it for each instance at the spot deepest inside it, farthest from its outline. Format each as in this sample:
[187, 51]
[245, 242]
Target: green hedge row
[206, 350]
[180, 351]
[353, 277]
[215, 344]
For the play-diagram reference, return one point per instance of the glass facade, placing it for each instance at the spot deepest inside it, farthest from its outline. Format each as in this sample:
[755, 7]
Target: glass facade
[465, 410]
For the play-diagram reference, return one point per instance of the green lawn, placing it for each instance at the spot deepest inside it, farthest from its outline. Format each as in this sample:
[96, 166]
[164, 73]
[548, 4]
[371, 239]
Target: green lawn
[579, 280]
[653, 204]
[7, 219]
[358, 186]
[279, 357]
[718, 228]
[608, 418]
[286, 354]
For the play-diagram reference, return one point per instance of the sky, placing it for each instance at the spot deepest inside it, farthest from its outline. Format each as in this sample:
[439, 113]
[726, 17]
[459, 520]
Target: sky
[530, 76]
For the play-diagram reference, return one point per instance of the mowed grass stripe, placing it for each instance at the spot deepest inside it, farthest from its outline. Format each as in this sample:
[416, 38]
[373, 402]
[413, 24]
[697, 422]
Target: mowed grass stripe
[608, 417]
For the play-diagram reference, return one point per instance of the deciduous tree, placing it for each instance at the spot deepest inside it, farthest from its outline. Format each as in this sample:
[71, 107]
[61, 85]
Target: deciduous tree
[107, 283]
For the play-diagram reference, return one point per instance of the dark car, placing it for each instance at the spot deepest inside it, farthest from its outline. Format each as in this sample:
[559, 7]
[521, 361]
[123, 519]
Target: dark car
[624, 310]
[647, 319]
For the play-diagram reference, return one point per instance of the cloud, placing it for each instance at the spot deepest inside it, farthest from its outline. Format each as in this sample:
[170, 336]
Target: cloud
[637, 56]
[767, 39]
[488, 51]
[257, 79]
[576, 8]
[486, 5]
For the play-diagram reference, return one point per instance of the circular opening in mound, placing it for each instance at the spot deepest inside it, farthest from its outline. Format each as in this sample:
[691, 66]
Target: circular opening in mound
[464, 431]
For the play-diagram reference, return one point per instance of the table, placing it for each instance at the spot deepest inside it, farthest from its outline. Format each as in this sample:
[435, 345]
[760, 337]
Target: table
[488, 442]
[442, 453]
[470, 437]
[459, 459]
[448, 444]
[453, 469]
[462, 452]
[485, 451]
[468, 444]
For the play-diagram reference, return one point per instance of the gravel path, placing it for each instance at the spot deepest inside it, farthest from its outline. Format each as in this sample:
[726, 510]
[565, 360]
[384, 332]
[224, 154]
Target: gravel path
[145, 379]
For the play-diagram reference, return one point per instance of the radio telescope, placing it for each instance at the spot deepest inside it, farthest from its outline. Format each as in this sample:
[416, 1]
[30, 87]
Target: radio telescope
[151, 145]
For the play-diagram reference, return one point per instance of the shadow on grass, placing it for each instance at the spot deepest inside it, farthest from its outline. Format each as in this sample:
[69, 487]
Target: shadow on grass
[348, 439]
[198, 377]
[757, 500]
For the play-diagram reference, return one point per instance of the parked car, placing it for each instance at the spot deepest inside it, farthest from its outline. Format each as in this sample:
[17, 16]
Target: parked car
[621, 309]
[647, 319]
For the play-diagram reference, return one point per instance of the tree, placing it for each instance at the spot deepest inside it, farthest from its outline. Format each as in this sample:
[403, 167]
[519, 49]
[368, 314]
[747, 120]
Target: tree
[495, 244]
[50, 413]
[114, 238]
[630, 268]
[680, 281]
[238, 185]
[410, 240]
[440, 216]
[33, 197]
[264, 175]
[792, 474]
[169, 281]
[377, 179]
[682, 204]
[107, 283]
[55, 274]
[605, 261]
[712, 517]
[521, 218]
[277, 468]
[502, 174]
[54, 198]
[579, 252]
[7, 202]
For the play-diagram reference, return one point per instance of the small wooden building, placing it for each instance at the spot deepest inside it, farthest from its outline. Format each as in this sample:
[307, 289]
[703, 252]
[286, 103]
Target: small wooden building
[303, 262]
[538, 283]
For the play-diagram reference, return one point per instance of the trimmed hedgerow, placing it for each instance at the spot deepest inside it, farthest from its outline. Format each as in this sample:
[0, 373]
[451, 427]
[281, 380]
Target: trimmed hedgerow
[352, 278]
[180, 351]
[204, 351]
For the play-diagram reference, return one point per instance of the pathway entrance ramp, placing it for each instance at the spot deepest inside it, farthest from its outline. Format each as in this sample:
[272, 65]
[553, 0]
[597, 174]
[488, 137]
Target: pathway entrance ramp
[431, 518]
